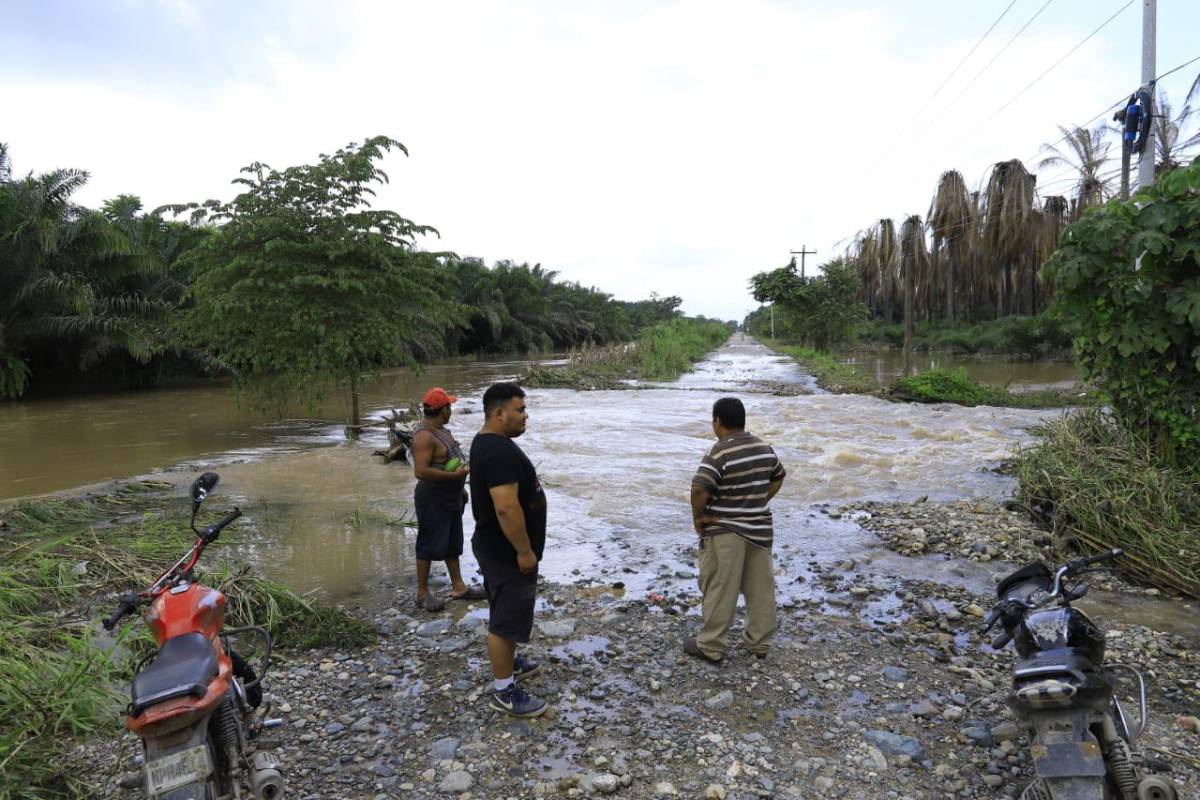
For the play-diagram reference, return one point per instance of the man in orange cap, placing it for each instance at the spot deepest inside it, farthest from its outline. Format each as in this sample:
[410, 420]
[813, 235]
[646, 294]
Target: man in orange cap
[440, 497]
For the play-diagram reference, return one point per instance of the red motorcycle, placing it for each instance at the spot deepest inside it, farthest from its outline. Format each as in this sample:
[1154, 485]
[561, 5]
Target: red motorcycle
[193, 702]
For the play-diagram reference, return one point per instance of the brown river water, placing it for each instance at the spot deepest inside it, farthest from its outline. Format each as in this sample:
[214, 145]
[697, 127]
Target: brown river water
[325, 515]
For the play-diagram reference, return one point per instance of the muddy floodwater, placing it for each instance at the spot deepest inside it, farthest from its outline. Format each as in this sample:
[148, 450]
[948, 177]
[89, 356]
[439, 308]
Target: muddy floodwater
[325, 515]
[886, 365]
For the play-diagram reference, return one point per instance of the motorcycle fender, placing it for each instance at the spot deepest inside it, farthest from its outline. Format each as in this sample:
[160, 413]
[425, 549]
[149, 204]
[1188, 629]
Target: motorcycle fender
[1068, 759]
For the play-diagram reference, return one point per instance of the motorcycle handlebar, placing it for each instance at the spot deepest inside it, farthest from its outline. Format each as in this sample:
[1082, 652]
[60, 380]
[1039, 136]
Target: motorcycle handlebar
[1081, 563]
[127, 606]
[213, 531]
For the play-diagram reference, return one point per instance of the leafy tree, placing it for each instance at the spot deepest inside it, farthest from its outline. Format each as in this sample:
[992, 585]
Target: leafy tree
[1129, 275]
[820, 310]
[303, 284]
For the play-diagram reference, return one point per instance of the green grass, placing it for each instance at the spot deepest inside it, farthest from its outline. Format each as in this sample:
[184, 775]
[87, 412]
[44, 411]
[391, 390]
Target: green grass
[1097, 486]
[955, 386]
[662, 352]
[1040, 337]
[830, 374]
[61, 564]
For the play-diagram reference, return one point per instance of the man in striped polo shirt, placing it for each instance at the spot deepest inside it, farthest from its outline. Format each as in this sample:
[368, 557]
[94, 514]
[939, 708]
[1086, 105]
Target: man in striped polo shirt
[731, 493]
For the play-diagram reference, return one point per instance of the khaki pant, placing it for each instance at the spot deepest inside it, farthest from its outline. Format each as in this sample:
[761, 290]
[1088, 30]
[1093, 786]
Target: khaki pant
[729, 566]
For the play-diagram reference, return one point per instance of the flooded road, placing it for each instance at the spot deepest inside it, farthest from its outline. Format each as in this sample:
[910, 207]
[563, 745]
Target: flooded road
[325, 515]
[617, 467]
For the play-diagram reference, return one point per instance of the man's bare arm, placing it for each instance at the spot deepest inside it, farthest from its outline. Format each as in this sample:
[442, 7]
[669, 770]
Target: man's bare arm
[774, 488]
[423, 461]
[512, 523]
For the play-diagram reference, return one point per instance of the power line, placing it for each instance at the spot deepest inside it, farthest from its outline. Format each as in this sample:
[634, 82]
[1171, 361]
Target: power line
[887, 150]
[1038, 79]
[988, 65]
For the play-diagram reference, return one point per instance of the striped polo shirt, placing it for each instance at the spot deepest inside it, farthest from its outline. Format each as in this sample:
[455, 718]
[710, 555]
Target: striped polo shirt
[736, 472]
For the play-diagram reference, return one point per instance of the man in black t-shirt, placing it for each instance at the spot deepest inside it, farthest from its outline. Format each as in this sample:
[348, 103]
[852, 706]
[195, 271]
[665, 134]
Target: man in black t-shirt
[509, 507]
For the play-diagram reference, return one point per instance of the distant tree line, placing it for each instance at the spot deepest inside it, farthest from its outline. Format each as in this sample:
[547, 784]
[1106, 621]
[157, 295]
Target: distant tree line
[294, 281]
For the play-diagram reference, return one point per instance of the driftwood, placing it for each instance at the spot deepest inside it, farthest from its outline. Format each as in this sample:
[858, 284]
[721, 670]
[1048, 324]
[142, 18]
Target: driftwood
[400, 436]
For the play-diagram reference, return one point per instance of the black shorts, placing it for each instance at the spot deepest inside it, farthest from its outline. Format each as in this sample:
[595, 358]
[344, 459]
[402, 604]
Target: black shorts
[511, 595]
[439, 523]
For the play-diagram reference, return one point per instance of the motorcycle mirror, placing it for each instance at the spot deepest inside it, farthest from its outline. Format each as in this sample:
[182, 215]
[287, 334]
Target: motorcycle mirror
[201, 488]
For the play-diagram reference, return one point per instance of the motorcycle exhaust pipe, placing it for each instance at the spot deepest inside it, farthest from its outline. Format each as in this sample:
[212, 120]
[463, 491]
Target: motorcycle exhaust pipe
[266, 781]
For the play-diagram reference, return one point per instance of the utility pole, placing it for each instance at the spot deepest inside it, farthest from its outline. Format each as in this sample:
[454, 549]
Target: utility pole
[1149, 47]
[772, 319]
[802, 252]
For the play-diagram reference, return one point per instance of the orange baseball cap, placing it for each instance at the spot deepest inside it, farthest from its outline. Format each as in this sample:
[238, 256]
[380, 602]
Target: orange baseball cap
[437, 398]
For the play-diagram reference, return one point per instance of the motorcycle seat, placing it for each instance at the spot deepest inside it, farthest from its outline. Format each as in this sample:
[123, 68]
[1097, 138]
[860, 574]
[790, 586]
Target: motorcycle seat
[184, 666]
[1048, 663]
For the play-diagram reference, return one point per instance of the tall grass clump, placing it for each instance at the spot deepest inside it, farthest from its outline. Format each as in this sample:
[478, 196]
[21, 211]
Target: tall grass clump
[1098, 485]
[669, 349]
[662, 352]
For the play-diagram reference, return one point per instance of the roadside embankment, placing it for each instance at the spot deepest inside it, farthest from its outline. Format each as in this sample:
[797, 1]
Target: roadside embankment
[1040, 337]
[662, 352]
[62, 563]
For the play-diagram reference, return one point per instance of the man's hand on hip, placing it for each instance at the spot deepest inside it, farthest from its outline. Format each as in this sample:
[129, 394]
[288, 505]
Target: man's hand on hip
[527, 561]
[703, 521]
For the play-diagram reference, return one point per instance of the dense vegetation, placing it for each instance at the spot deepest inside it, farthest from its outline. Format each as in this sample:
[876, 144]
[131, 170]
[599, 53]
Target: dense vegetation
[123, 296]
[1129, 273]
[1042, 337]
[59, 569]
[819, 311]
[662, 352]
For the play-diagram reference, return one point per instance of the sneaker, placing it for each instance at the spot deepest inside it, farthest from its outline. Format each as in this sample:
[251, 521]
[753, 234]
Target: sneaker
[524, 667]
[517, 703]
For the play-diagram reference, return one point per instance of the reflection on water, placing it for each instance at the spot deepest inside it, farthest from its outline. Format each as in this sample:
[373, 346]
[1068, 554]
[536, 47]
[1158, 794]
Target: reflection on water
[55, 444]
[886, 366]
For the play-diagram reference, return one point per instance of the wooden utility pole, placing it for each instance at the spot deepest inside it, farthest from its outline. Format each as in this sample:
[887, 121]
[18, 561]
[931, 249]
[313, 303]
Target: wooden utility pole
[802, 252]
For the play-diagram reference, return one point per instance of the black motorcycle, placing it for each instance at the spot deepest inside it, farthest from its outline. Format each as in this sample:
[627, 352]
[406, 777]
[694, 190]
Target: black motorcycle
[1063, 693]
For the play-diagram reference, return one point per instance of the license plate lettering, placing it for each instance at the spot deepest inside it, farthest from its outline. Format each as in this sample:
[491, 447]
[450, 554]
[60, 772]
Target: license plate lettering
[177, 769]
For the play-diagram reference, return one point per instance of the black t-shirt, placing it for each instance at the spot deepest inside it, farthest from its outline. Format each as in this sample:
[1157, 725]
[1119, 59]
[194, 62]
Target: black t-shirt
[496, 461]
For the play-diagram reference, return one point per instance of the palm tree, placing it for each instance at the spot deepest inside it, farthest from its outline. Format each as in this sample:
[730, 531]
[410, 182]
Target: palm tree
[887, 248]
[1172, 148]
[1085, 152]
[914, 262]
[951, 218]
[1008, 233]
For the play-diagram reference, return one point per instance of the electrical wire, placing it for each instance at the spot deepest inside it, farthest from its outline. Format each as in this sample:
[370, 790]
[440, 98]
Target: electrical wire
[1038, 79]
[891, 144]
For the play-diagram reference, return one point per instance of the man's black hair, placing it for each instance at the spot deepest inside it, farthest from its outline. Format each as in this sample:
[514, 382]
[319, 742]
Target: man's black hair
[498, 394]
[731, 413]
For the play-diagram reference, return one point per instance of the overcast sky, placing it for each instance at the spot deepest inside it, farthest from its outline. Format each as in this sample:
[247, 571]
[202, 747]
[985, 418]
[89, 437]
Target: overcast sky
[676, 147]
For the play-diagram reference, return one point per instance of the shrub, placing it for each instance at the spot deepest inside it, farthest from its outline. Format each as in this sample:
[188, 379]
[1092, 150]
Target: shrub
[1128, 275]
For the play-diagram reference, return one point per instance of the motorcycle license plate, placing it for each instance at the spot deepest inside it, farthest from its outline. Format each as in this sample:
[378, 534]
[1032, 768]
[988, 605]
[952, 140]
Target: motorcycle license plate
[178, 769]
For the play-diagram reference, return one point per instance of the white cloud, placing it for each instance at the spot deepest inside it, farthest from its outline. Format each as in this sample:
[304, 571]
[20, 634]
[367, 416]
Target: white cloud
[678, 149]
